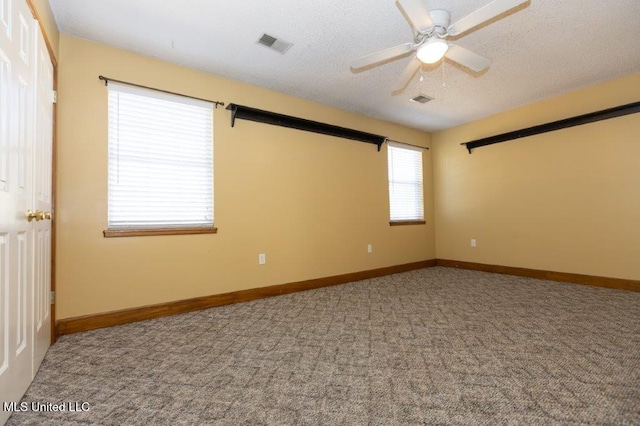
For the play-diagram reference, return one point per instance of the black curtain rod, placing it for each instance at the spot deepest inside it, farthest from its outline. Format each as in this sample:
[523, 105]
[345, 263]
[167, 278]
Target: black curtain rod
[578, 120]
[408, 144]
[108, 79]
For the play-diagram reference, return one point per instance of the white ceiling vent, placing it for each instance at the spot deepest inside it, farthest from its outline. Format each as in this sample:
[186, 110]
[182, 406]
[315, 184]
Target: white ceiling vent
[422, 99]
[274, 43]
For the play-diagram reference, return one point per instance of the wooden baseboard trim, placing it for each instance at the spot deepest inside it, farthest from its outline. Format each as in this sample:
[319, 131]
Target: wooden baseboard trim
[108, 319]
[616, 283]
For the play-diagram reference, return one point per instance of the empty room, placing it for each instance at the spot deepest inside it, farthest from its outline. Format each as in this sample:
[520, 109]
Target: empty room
[389, 212]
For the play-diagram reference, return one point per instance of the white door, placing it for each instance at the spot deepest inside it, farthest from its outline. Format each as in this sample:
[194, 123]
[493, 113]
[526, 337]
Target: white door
[16, 197]
[42, 199]
[22, 256]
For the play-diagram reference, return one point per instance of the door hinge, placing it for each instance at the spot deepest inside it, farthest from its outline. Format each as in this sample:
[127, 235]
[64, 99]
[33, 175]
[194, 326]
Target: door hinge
[52, 296]
[55, 97]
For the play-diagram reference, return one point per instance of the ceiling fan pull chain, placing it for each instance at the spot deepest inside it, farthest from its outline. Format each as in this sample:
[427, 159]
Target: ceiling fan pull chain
[443, 83]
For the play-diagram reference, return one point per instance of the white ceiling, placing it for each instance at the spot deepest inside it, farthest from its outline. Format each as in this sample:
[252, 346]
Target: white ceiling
[546, 48]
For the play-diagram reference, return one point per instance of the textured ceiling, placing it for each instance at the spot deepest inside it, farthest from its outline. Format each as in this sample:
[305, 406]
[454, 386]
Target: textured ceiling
[542, 49]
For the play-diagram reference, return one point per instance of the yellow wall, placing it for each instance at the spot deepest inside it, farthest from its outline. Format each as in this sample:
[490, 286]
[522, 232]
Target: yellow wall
[48, 22]
[566, 201]
[311, 202]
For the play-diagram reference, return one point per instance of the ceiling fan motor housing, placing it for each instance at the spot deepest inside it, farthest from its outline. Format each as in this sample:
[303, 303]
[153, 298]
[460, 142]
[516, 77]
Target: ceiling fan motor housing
[441, 20]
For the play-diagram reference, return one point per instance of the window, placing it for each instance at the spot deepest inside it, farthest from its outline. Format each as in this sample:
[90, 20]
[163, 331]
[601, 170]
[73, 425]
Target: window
[405, 184]
[160, 163]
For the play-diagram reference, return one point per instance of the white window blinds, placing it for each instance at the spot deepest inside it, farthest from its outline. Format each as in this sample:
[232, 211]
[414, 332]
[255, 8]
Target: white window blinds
[160, 160]
[405, 182]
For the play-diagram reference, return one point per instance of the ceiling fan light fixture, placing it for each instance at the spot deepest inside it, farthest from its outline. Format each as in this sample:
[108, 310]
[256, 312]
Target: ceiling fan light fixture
[432, 51]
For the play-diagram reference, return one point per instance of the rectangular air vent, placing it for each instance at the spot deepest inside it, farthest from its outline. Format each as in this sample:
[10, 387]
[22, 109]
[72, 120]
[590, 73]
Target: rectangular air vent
[274, 43]
[422, 99]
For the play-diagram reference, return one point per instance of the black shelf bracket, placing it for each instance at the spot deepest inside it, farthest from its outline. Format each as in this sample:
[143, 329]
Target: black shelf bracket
[261, 116]
[578, 120]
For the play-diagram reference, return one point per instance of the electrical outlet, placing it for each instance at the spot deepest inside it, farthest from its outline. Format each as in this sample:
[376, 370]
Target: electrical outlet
[262, 259]
[473, 242]
[369, 248]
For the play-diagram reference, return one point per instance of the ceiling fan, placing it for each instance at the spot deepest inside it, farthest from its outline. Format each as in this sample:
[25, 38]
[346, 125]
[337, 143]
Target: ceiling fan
[431, 29]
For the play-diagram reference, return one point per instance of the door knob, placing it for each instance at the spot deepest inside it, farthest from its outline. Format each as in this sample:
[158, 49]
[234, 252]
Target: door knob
[38, 215]
[33, 215]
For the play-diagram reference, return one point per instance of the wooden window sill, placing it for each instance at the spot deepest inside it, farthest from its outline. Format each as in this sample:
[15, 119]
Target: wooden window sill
[407, 222]
[111, 233]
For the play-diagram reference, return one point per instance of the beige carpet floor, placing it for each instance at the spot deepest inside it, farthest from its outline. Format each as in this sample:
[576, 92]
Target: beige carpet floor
[433, 346]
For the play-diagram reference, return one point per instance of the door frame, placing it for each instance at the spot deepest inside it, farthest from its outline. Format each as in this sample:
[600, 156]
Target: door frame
[54, 62]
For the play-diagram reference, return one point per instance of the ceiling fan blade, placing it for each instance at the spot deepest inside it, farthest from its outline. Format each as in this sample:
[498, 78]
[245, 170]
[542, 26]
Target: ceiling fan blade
[382, 55]
[467, 58]
[483, 14]
[417, 13]
[408, 74]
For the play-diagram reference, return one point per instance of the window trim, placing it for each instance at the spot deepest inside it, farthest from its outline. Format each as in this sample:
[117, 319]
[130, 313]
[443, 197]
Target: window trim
[112, 233]
[407, 222]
